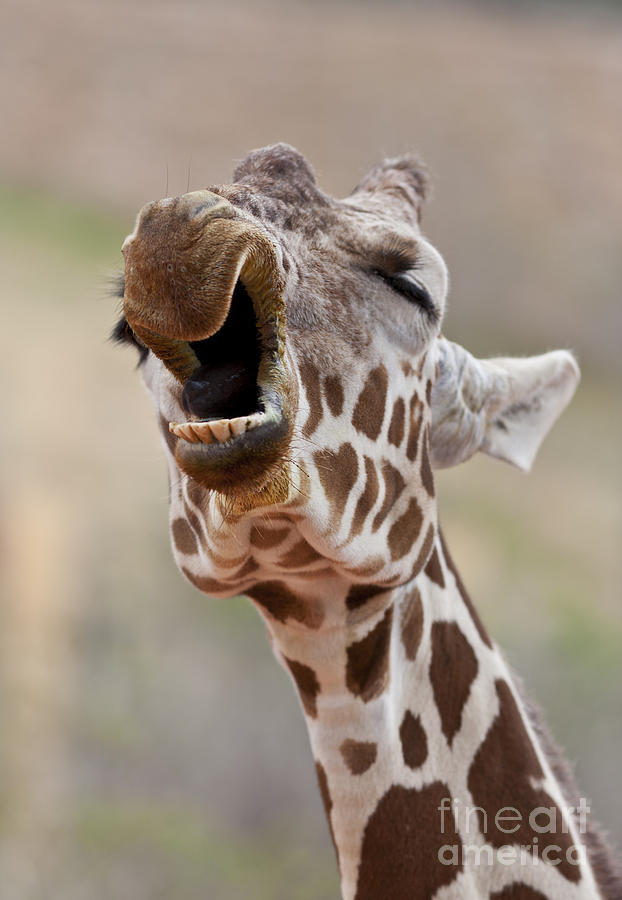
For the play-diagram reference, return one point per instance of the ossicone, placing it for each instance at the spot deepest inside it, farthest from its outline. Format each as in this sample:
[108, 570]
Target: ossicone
[401, 183]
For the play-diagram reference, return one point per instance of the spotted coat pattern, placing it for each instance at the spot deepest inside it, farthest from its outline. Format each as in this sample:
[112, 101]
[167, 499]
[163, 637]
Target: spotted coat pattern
[411, 710]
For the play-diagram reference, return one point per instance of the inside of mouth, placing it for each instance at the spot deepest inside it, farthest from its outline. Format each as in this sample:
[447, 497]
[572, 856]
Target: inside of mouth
[224, 386]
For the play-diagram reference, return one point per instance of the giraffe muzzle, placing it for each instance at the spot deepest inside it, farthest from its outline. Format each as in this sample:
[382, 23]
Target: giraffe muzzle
[204, 292]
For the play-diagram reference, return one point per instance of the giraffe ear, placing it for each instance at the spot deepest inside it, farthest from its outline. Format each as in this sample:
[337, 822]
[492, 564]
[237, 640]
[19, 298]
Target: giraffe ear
[401, 183]
[503, 407]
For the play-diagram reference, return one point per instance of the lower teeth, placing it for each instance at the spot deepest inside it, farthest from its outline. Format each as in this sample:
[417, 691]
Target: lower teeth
[215, 431]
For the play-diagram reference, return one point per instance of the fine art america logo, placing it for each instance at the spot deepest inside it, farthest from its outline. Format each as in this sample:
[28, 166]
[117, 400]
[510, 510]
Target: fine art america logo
[546, 823]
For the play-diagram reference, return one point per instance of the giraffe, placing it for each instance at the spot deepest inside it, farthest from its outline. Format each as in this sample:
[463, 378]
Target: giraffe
[291, 343]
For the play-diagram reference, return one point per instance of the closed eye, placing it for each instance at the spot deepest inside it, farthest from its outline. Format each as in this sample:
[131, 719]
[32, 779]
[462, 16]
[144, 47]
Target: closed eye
[412, 291]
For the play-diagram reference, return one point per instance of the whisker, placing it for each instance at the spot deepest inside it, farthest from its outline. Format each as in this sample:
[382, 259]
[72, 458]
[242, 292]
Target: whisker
[300, 469]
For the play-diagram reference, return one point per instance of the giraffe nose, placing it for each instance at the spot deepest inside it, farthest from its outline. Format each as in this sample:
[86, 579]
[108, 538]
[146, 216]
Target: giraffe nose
[196, 208]
[199, 205]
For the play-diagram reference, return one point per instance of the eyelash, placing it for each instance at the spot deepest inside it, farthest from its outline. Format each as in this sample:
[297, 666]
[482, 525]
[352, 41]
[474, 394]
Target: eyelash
[123, 334]
[412, 291]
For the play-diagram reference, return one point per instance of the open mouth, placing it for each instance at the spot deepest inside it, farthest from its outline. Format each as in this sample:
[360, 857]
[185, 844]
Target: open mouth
[234, 391]
[222, 396]
[204, 292]
[232, 398]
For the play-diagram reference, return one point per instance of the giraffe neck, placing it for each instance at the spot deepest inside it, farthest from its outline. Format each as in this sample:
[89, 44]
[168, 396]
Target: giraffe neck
[422, 750]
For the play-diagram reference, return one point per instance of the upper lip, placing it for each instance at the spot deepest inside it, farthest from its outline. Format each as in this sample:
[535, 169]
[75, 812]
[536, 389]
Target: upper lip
[205, 397]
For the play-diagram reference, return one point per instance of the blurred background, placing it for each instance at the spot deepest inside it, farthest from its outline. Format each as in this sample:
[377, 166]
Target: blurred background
[151, 747]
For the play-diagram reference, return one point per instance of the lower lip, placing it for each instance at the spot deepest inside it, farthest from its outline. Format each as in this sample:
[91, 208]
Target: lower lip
[241, 463]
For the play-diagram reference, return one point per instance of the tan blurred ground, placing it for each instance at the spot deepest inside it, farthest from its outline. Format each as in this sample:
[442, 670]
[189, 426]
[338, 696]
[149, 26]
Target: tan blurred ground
[151, 747]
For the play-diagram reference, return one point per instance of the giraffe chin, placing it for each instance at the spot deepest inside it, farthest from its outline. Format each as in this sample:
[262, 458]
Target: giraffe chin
[250, 467]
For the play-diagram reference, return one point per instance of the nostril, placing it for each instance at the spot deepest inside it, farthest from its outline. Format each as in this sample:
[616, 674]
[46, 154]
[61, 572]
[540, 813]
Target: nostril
[199, 204]
[205, 207]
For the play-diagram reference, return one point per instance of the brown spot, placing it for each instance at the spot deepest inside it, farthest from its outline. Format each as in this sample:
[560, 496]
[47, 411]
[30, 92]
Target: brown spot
[452, 671]
[398, 420]
[310, 378]
[228, 562]
[358, 756]
[413, 740]
[416, 418]
[359, 594]
[301, 554]
[247, 569]
[365, 600]
[405, 531]
[327, 801]
[169, 438]
[333, 391]
[396, 866]
[184, 537]
[367, 671]
[428, 392]
[266, 539]
[434, 570]
[407, 369]
[368, 413]
[198, 498]
[367, 499]
[518, 891]
[502, 774]
[426, 469]
[277, 599]
[338, 473]
[207, 585]
[424, 553]
[193, 521]
[463, 593]
[394, 484]
[412, 623]
[307, 684]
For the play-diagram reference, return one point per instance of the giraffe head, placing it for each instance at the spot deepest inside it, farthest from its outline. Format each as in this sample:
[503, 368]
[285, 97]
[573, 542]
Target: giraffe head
[291, 342]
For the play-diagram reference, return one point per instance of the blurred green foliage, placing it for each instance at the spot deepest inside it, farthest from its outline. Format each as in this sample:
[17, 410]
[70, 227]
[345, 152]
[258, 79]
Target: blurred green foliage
[66, 227]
